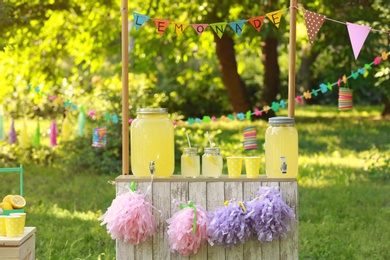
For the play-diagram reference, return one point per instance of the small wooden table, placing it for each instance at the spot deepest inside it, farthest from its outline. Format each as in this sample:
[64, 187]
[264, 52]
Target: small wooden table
[21, 247]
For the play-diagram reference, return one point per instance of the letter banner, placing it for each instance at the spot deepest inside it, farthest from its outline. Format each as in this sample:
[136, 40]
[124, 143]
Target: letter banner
[257, 22]
[139, 19]
[199, 28]
[237, 26]
[180, 27]
[161, 25]
[219, 28]
[275, 17]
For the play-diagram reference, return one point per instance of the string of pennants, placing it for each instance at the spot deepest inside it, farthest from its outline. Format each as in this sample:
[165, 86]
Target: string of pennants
[99, 137]
[314, 21]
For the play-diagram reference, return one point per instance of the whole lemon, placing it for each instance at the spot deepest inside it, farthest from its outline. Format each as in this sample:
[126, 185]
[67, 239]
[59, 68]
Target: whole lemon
[6, 206]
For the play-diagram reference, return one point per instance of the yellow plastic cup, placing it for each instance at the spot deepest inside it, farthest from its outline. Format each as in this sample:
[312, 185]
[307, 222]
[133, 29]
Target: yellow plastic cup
[22, 221]
[3, 231]
[12, 225]
[252, 166]
[234, 165]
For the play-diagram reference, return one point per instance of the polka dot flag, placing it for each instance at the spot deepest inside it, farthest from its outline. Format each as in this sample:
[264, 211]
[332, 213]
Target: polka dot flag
[314, 22]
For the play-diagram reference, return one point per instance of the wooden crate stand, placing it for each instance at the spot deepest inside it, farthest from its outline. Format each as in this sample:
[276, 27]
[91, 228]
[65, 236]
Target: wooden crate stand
[209, 193]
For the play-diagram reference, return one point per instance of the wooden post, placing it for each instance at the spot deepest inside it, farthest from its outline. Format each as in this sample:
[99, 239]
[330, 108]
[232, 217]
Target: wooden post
[292, 48]
[125, 89]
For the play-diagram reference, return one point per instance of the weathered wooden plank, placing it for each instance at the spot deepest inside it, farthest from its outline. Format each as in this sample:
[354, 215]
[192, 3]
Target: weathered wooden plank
[161, 200]
[179, 194]
[123, 250]
[270, 250]
[289, 245]
[233, 190]
[144, 249]
[197, 193]
[215, 199]
[252, 248]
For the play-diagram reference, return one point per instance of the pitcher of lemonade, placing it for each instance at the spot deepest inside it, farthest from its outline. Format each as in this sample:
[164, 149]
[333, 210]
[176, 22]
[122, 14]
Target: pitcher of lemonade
[281, 148]
[152, 143]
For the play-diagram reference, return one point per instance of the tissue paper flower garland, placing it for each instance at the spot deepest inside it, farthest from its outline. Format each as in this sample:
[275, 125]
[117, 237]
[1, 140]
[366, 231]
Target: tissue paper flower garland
[130, 218]
[187, 229]
[229, 225]
[269, 215]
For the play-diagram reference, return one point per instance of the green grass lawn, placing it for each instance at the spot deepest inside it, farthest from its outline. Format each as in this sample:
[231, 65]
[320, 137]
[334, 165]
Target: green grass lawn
[344, 187]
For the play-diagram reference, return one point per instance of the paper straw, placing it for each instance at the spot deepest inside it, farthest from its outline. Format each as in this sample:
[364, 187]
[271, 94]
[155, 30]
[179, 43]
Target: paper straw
[208, 136]
[188, 139]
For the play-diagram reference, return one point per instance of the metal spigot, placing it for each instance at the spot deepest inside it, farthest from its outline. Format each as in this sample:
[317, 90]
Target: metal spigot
[283, 166]
[152, 168]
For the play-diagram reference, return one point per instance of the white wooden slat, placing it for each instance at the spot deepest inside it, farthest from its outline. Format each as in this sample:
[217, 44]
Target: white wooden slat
[197, 193]
[289, 245]
[233, 190]
[179, 193]
[252, 248]
[161, 200]
[215, 199]
[144, 249]
[270, 250]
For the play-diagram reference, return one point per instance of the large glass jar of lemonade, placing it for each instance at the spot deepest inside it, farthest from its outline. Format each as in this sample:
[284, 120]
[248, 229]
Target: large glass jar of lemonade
[190, 162]
[281, 148]
[152, 143]
[212, 162]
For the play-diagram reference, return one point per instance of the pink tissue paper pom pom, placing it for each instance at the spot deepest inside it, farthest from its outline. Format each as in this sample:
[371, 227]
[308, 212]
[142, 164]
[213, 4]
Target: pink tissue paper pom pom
[181, 237]
[130, 218]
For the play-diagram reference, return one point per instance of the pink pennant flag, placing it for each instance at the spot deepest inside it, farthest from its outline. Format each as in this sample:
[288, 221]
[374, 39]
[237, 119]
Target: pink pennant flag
[199, 28]
[275, 17]
[161, 25]
[357, 35]
[314, 23]
[53, 133]
[257, 22]
[180, 27]
[219, 28]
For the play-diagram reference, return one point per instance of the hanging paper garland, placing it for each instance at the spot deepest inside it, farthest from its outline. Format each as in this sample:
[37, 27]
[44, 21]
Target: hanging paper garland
[130, 218]
[99, 137]
[66, 127]
[187, 229]
[12, 134]
[36, 139]
[229, 224]
[269, 215]
[81, 123]
[53, 133]
[2, 135]
[24, 138]
[345, 98]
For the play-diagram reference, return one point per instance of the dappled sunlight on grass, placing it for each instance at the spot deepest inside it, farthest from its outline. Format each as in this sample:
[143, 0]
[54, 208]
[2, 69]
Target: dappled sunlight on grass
[58, 212]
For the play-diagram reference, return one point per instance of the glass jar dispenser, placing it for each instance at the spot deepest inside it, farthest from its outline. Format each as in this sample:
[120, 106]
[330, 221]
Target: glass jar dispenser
[152, 143]
[281, 148]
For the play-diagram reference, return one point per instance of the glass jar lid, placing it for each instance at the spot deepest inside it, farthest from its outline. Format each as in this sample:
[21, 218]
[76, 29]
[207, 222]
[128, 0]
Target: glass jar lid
[211, 150]
[191, 150]
[281, 120]
[152, 110]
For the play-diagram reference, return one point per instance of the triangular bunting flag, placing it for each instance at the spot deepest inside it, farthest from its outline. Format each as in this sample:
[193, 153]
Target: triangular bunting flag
[219, 28]
[275, 17]
[257, 22]
[357, 35]
[237, 26]
[12, 133]
[161, 25]
[199, 28]
[2, 134]
[66, 128]
[314, 22]
[139, 19]
[53, 133]
[24, 138]
[37, 136]
[180, 27]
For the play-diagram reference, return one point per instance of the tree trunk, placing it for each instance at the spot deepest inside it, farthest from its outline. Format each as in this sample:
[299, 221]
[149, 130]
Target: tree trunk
[386, 109]
[271, 70]
[235, 87]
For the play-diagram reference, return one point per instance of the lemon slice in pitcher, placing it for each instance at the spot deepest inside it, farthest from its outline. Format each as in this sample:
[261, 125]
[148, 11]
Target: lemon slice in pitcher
[212, 160]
